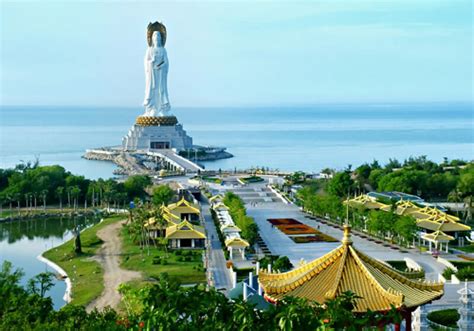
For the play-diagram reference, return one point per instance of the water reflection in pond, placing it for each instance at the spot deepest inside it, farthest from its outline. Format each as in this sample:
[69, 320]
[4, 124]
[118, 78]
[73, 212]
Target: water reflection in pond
[22, 241]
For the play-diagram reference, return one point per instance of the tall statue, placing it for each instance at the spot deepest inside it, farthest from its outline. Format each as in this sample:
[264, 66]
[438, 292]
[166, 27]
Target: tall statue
[156, 101]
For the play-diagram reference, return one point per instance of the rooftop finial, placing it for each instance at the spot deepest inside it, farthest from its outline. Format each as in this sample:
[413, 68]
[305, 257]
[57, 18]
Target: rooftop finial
[346, 239]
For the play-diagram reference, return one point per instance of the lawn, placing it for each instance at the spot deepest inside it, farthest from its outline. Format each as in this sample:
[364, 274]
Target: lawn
[252, 179]
[86, 275]
[320, 237]
[467, 249]
[184, 266]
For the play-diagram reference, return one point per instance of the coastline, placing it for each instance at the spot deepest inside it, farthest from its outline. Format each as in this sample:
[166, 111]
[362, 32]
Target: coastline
[67, 280]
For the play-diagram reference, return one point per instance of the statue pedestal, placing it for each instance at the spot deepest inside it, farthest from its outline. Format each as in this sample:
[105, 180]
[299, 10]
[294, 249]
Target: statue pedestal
[156, 132]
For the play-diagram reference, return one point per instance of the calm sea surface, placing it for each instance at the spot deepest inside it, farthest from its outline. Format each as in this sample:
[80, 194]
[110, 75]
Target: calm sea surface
[286, 138]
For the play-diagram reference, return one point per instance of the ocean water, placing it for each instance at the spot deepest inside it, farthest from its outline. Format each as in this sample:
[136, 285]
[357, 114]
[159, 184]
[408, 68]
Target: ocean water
[285, 138]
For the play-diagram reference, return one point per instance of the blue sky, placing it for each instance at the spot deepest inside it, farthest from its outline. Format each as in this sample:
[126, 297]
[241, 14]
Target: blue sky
[238, 53]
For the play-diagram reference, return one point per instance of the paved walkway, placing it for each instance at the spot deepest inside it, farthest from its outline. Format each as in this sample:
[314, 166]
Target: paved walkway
[217, 261]
[108, 257]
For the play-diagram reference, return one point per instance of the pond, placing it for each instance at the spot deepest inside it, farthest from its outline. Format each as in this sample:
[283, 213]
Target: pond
[22, 241]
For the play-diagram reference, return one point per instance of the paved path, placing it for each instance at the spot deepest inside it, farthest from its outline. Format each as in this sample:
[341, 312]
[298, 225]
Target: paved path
[217, 261]
[108, 257]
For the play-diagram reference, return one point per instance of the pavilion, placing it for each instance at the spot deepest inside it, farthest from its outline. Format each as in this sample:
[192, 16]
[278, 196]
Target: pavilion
[185, 235]
[367, 202]
[346, 269]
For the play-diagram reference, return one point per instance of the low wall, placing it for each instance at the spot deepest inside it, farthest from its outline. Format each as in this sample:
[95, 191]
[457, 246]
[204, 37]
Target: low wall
[67, 280]
[447, 263]
[278, 194]
[411, 264]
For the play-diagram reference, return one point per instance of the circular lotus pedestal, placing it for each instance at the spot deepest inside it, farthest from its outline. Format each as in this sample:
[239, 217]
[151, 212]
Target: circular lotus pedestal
[156, 120]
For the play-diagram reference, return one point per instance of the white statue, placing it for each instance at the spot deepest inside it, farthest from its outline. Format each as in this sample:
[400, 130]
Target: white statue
[156, 76]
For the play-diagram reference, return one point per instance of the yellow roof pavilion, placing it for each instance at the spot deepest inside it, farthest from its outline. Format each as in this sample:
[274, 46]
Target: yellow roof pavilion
[152, 223]
[347, 269]
[366, 201]
[442, 224]
[405, 207]
[437, 236]
[236, 243]
[220, 205]
[215, 197]
[432, 213]
[185, 230]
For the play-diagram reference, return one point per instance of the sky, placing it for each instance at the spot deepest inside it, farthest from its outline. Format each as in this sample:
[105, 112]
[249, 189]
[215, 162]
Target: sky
[250, 53]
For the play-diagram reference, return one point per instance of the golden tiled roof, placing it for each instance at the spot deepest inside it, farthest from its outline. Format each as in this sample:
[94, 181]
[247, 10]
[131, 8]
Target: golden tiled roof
[347, 269]
[153, 223]
[236, 242]
[185, 230]
[432, 214]
[405, 207]
[367, 202]
[437, 236]
[184, 203]
[442, 225]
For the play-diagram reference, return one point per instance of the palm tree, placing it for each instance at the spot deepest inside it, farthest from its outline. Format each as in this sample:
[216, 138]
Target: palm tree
[75, 192]
[59, 194]
[17, 198]
[44, 195]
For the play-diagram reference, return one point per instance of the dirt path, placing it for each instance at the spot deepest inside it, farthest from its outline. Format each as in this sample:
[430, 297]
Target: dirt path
[109, 257]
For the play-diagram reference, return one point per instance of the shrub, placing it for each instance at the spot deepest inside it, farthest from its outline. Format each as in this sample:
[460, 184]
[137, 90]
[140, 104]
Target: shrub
[446, 317]
[465, 273]
[164, 261]
[178, 252]
[448, 272]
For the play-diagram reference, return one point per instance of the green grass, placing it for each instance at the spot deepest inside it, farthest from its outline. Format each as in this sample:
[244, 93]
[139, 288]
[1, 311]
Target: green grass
[467, 249]
[186, 272]
[252, 179]
[86, 275]
[446, 317]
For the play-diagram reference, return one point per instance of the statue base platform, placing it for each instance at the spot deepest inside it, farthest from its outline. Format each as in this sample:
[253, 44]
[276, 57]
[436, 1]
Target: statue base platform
[157, 132]
[156, 120]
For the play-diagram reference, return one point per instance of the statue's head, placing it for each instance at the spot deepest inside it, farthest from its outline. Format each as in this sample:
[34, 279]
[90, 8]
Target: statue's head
[156, 27]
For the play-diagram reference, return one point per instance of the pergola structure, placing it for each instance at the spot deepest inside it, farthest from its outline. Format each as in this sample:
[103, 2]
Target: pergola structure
[366, 201]
[379, 286]
[436, 222]
[437, 238]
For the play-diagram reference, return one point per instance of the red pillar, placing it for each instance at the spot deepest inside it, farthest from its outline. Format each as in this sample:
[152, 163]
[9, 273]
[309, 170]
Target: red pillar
[408, 320]
[397, 326]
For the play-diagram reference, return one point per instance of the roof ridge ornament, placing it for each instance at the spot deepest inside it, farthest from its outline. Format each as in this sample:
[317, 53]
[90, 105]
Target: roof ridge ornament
[346, 239]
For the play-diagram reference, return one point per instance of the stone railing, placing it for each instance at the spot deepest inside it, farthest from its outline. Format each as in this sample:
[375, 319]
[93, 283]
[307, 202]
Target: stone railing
[447, 263]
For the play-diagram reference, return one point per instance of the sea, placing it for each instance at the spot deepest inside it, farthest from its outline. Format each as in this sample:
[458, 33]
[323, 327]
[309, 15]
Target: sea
[287, 138]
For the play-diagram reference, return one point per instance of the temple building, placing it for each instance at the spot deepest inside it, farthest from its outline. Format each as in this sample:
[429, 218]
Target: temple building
[184, 210]
[186, 235]
[346, 269]
[179, 223]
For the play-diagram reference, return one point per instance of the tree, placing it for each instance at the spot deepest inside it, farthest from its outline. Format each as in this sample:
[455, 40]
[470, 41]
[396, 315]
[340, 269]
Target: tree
[41, 283]
[135, 186]
[60, 194]
[77, 242]
[341, 184]
[282, 264]
[162, 194]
